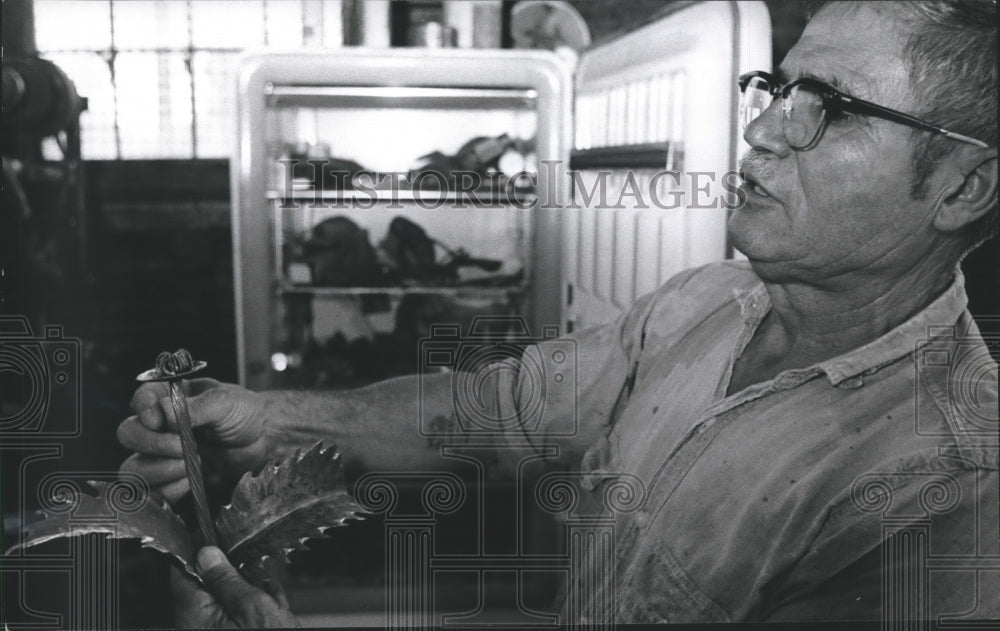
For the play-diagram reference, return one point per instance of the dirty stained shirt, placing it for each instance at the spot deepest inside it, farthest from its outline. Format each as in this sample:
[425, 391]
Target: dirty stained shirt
[771, 502]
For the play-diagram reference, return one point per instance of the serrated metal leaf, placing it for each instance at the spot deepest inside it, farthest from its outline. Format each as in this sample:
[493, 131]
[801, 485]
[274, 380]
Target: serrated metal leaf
[284, 506]
[155, 526]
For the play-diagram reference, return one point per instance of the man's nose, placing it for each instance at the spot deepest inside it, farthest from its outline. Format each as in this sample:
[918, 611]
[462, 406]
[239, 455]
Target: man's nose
[766, 131]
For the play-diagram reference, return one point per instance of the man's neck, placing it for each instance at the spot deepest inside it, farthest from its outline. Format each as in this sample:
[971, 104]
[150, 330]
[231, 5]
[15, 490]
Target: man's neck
[830, 323]
[811, 323]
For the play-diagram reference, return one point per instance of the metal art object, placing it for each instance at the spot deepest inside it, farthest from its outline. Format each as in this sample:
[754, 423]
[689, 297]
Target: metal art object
[173, 368]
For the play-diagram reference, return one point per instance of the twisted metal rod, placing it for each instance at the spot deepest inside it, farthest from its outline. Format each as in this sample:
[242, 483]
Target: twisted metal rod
[172, 368]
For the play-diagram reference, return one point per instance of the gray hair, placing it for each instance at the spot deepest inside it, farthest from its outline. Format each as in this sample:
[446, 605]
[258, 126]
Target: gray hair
[951, 53]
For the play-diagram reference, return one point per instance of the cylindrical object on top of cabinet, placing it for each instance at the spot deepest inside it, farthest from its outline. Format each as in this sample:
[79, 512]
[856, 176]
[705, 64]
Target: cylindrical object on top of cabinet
[487, 28]
[460, 16]
[375, 20]
[433, 35]
[478, 22]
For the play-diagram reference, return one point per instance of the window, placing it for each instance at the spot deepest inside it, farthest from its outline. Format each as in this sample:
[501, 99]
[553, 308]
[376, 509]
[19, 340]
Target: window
[159, 74]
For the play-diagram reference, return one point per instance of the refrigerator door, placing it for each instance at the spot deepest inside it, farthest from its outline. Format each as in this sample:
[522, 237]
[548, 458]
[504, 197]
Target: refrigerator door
[655, 148]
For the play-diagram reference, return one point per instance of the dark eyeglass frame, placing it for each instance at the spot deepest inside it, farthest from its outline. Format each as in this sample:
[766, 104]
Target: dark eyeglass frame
[836, 101]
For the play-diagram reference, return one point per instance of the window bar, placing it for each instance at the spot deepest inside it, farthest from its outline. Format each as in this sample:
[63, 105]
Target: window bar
[305, 22]
[264, 9]
[111, 58]
[321, 38]
[189, 65]
[163, 104]
[676, 156]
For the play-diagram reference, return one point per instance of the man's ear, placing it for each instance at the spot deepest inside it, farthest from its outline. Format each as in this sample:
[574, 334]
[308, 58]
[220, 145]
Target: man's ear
[970, 190]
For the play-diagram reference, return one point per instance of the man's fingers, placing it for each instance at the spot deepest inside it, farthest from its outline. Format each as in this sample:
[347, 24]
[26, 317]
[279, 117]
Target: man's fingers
[154, 469]
[244, 604]
[225, 583]
[151, 402]
[188, 594]
[194, 608]
[213, 405]
[275, 591]
[145, 403]
[175, 490]
[200, 385]
[206, 408]
[166, 476]
[138, 437]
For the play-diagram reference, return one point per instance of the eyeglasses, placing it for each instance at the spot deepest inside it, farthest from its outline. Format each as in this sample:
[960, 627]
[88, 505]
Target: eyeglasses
[807, 106]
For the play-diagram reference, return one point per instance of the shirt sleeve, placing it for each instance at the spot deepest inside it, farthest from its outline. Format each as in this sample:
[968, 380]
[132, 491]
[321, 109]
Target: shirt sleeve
[563, 395]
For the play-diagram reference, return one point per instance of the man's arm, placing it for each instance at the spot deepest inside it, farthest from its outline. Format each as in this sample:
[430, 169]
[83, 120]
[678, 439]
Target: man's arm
[563, 392]
[376, 427]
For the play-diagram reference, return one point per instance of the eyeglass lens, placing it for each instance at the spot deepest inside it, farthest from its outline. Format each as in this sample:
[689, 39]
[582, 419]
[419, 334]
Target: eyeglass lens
[802, 110]
[756, 98]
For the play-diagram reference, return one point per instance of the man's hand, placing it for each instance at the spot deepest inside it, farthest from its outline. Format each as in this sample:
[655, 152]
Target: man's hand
[230, 424]
[226, 601]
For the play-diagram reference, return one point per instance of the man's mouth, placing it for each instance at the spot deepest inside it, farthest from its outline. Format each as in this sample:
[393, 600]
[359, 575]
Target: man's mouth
[753, 186]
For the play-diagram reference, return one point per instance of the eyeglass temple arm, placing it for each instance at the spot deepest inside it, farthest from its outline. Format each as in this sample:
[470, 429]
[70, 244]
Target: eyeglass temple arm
[963, 138]
[863, 106]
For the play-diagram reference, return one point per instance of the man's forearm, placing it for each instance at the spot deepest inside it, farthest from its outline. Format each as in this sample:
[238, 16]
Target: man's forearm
[375, 427]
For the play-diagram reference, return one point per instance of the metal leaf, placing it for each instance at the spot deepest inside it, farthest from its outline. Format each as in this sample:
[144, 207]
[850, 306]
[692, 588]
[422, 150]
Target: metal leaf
[285, 505]
[155, 526]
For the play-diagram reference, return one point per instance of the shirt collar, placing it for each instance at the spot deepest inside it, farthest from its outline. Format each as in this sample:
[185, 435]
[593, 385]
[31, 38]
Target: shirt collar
[945, 310]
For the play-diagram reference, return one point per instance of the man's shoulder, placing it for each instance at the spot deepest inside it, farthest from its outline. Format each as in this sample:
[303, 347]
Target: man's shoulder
[956, 391]
[691, 297]
[705, 288]
[721, 278]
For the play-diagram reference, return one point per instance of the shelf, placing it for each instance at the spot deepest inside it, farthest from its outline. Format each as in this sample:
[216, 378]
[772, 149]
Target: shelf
[398, 97]
[476, 199]
[452, 290]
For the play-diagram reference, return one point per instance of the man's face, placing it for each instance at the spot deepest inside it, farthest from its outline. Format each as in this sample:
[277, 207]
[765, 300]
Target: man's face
[845, 204]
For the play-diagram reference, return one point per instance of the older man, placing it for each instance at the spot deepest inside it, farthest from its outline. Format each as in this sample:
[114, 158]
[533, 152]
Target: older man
[783, 418]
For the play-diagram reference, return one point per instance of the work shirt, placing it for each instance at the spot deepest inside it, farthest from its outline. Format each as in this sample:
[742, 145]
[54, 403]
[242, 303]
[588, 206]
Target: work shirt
[771, 502]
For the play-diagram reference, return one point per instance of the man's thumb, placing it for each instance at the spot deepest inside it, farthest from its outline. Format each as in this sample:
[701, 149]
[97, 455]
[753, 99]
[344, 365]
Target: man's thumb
[205, 408]
[223, 580]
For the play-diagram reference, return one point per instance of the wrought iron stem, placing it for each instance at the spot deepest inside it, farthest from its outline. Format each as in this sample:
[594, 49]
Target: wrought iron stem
[192, 462]
[172, 368]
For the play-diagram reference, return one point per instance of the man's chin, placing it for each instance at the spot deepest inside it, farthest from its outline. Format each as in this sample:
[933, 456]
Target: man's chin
[747, 235]
[759, 245]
